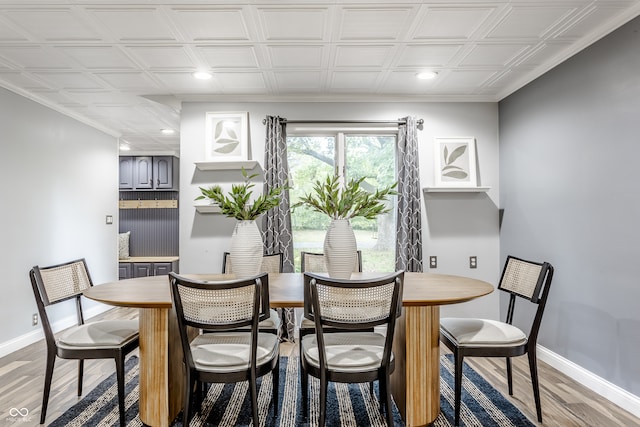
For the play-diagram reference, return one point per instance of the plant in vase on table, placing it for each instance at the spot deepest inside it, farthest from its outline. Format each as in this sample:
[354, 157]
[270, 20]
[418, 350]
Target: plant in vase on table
[246, 241]
[342, 203]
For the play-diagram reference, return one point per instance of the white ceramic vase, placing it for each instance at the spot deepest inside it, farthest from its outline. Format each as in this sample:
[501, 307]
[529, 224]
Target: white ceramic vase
[340, 249]
[246, 249]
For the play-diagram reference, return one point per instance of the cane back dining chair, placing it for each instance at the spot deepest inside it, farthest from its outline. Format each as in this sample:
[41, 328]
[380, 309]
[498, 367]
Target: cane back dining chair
[105, 339]
[352, 352]
[271, 263]
[313, 262]
[528, 280]
[226, 353]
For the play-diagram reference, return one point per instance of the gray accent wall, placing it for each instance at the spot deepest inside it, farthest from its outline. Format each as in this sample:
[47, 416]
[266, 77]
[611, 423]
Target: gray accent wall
[569, 190]
[60, 180]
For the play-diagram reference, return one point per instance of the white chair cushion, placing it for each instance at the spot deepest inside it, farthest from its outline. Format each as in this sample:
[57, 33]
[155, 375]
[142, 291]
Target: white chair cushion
[307, 324]
[346, 352]
[229, 351]
[273, 322]
[482, 332]
[105, 333]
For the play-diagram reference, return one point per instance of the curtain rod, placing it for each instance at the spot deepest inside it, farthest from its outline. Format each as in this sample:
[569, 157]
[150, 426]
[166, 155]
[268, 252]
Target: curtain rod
[419, 122]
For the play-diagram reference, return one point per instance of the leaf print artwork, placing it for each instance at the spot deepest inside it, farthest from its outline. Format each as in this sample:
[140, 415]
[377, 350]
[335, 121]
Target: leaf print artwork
[455, 162]
[450, 170]
[226, 136]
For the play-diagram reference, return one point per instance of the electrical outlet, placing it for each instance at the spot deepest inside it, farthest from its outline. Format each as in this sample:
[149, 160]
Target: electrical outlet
[433, 262]
[473, 262]
[34, 319]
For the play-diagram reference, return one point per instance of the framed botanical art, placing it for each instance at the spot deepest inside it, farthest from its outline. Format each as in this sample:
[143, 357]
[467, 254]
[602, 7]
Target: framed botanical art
[455, 162]
[226, 136]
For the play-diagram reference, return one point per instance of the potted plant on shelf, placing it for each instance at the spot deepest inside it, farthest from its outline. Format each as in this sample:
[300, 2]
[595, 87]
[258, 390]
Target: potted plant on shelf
[246, 240]
[341, 203]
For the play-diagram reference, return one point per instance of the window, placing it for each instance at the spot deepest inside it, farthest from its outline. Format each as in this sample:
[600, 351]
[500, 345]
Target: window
[314, 153]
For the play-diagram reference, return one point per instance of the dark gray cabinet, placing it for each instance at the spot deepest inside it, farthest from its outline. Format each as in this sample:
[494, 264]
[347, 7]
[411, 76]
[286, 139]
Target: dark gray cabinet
[163, 173]
[146, 266]
[148, 173]
[126, 173]
[125, 270]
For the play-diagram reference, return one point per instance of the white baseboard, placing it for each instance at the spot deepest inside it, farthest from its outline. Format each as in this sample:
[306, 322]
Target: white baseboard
[604, 388]
[29, 338]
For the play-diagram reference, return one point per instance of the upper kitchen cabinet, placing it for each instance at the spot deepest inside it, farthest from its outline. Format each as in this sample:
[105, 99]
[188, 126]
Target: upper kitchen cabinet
[148, 173]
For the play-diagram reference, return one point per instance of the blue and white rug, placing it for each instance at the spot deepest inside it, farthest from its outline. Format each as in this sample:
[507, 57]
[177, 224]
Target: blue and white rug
[347, 404]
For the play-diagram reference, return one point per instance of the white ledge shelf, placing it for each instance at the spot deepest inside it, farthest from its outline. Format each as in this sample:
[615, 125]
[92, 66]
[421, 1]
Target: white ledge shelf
[456, 189]
[215, 166]
[205, 209]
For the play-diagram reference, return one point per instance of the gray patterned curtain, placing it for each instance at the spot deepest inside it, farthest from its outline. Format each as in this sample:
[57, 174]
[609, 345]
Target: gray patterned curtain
[276, 223]
[409, 227]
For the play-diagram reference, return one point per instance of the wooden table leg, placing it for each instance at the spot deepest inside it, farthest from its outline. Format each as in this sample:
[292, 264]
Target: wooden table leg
[161, 376]
[415, 383]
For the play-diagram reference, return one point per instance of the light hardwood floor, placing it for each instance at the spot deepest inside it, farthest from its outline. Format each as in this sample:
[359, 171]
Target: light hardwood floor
[564, 402]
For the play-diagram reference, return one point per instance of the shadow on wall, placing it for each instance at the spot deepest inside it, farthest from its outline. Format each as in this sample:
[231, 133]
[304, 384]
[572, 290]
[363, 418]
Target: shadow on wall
[588, 337]
[461, 214]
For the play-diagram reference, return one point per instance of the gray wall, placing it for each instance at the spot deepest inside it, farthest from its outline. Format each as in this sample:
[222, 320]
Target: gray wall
[60, 180]
[569, 190]
[454, 226]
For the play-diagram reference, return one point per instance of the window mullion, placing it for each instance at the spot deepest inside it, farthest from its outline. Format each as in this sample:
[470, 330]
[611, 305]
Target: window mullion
[341, 167]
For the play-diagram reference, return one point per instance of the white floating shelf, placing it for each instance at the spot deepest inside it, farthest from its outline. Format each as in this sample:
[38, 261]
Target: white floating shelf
[456, 189]
[208, 209]
[214, 166]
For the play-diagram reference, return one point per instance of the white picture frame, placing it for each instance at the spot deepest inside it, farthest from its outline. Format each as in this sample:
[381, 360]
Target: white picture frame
[226, 137]
[455, 162]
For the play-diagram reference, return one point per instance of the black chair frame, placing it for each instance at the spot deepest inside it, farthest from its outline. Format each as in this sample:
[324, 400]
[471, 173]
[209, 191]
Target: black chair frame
[194, 377]
[538, 297]
[382, 374]
[118, 354]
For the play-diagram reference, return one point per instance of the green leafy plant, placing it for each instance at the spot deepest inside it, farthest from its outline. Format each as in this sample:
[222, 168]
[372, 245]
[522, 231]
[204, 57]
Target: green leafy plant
[237, 203]
[331, 198]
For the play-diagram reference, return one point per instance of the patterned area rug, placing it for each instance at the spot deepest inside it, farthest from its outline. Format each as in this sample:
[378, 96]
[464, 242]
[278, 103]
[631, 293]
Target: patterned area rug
[347, 405]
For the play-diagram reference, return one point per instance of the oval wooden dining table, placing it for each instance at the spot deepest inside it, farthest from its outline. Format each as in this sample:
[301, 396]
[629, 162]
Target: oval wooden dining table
[415, 382]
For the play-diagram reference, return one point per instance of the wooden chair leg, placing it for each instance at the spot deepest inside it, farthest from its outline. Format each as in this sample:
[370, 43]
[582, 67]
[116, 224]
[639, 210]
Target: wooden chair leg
[275, 375]
[322, 409]
[533, 367]
[304, 385]
[186, 411]
[80, 375]
[387, 398]
[48, 376]
[458, 387]
[253, 390]
[509, 376]
[120, 384]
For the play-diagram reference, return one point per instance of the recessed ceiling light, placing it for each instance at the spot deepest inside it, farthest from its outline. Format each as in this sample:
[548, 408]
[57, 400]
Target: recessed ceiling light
[202, 75]
[167, 131]
[124, 147]
[426, 75]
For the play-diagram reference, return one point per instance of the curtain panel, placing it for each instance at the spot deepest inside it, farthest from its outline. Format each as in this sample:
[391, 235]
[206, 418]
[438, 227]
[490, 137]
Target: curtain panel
[409, 221]
[276, 223]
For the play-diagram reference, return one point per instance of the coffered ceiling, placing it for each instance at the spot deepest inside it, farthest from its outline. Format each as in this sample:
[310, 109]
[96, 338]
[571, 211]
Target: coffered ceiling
[125, 66]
